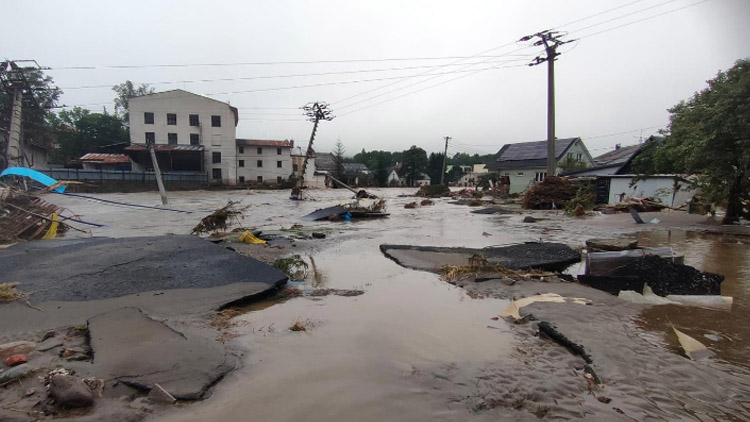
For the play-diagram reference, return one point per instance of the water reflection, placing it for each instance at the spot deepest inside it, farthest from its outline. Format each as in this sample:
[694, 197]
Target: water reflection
[726, 333]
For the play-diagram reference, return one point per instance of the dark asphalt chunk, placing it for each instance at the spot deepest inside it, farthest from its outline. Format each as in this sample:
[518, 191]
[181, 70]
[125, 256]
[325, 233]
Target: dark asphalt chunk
[102, 268]
[543, 256]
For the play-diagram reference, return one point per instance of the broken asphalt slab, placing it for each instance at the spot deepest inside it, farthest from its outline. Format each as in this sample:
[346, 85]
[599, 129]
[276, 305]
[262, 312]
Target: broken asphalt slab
[103, 268]
[139, 351]
[543, 256]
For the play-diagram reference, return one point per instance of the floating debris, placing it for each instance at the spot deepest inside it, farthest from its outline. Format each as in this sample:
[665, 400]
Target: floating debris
[221, 218]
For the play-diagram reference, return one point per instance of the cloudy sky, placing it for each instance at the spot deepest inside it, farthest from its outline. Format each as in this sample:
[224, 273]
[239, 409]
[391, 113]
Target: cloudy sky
[396, 73]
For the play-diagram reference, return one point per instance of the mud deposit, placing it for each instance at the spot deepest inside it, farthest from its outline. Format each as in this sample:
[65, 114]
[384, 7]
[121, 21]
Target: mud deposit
[415, 348]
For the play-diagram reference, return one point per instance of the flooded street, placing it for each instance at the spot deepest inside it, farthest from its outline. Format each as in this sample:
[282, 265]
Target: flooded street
[416, 348]
[726, 333]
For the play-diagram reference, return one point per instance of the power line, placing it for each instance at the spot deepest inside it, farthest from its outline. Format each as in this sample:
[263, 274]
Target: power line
[298, 75]
[644, 19]
[598, 14]
[624, 16]
[174, 65]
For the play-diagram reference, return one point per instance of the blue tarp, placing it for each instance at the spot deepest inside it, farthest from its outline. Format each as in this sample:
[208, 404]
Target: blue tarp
[32, 174]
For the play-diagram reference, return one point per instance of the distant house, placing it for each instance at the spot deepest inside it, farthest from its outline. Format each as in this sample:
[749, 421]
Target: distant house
[325, 162]
[615, 180]
[423, 180]
[526, 163]
[393, 178]
[298, 160]
[94, 161]
[264, 161]
[613, 162]
[356, 172]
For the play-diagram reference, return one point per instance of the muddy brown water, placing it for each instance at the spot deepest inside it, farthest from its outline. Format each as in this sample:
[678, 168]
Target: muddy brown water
[725, 332]
[360, 356]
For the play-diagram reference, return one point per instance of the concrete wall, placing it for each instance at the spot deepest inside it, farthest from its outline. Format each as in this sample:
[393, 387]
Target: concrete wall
[661, 187]
[270, 172]
[214, 139]
[37, 156]
[311, 179]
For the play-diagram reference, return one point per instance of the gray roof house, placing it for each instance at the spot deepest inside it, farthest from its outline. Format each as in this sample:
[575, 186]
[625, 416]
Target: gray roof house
[355, 168]
[525, 163]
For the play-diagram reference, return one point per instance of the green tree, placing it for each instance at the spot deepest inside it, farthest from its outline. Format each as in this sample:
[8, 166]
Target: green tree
[80, 131]
[126, 91]
[569, 164]
[435, 167]
[339, 171]
[415, 163]
[381, 170]
[709, 136]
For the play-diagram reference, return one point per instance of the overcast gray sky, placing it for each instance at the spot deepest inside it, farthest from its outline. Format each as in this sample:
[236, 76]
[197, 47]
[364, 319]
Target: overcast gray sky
[610, 80]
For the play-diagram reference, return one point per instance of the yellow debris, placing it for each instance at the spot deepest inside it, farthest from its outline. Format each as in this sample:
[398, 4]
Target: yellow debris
[52, 231]
[247, 237]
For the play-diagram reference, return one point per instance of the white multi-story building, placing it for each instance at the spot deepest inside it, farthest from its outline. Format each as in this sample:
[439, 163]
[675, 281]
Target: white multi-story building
[264, 161]
[191, 133]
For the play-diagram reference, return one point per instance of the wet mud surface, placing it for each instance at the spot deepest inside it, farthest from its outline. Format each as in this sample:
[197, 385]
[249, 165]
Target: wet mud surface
[415, 348]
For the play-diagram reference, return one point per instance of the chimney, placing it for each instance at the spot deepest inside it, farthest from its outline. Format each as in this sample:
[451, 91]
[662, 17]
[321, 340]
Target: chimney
[291, 143]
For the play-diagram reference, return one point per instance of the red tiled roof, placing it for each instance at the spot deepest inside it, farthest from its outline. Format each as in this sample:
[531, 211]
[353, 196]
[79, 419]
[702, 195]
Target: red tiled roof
[263, 143]
[106, 158]
[162, 147]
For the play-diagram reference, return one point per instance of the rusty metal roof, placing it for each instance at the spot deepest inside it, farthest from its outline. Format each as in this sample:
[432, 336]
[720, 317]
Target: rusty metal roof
[263, 143]
[106, 158]
[162, 147]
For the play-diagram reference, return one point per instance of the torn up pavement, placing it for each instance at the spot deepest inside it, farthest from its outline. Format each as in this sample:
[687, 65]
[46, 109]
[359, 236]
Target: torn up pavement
[141, 311]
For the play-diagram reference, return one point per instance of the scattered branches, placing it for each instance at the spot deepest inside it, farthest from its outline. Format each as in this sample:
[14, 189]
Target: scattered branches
[221, 218]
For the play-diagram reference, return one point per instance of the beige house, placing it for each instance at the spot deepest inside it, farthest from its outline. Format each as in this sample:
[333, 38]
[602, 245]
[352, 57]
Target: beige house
[193, 134]
[264, 161]
[526, 163]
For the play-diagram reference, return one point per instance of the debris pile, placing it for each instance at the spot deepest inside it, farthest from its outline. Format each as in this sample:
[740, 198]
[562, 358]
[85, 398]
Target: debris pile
[638, 204]
[433, 191]
[552, 192]
[667, 278]
[221, 218]
[24, 216]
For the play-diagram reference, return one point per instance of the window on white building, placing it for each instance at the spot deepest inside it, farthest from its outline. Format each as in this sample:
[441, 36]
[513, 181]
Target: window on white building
[216, 157]
[172, 138]
[279, 179]
[260, 150]
[148, 118]
[260, 179]
[241, 150]
[260, 163]
[194, 120]
[171, 119]
[278, 151]
[215, 121]
[278, 164]
[150, 137]
[520, 173]
[216, 174]
[540, 176]
[195, 139]
[241, 163]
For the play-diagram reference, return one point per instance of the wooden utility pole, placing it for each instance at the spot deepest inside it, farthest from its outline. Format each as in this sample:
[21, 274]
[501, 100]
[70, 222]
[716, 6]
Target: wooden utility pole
[550, 40]
[445, 157]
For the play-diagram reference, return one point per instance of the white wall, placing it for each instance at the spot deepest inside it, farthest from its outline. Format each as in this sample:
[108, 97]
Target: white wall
[663, 187]
[214, 139]
[270, 172]
[521, 179]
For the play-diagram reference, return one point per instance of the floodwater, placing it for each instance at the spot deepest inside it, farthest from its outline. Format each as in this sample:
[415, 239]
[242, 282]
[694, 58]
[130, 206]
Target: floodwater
[359, 353]
[366, 357]
[725, 332]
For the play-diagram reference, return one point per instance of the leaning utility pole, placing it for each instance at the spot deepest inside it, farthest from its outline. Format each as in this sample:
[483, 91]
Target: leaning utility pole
[445, 156]
[551, 40]
[157, 173]
[315, 113]
[15, 83]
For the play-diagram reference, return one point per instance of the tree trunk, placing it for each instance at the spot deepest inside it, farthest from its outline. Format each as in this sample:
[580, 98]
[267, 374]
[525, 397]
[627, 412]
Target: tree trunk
[734, 201]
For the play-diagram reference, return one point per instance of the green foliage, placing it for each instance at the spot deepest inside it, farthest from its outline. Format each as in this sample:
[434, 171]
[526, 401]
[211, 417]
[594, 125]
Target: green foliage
[464, 159]
[569, 164]
[709, 136]
[435, 167]
[338, 156]
[484, 180]
[381, 171]
[126, 91]
[583, 201]
[79, 131]
[415, 163]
